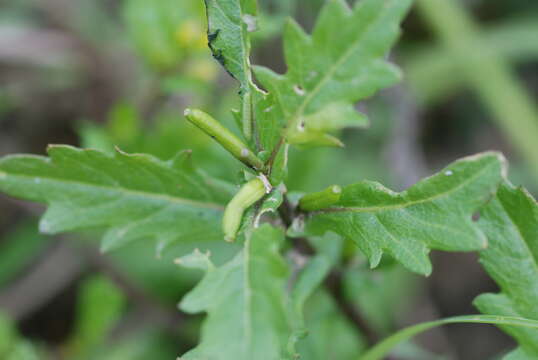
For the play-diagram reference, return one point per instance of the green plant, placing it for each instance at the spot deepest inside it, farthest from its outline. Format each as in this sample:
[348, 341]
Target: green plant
[260, 303]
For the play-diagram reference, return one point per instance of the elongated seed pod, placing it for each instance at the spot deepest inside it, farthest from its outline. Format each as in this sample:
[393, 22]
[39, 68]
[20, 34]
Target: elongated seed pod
[224, 137]
[322, 199]
[251, 192]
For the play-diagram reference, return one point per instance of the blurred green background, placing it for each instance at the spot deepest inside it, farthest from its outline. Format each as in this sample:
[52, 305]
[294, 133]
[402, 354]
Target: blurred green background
[107, 73]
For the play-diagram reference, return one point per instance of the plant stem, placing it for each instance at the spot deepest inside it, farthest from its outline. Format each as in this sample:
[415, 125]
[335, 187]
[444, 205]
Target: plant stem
[270, 162]
[334, 283]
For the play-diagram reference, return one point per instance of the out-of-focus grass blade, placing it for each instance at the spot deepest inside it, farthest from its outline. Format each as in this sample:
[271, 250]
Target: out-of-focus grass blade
[381, 349]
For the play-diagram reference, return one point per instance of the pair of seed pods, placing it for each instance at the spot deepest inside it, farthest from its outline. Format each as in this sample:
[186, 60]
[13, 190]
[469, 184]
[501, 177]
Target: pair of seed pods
[255, 189]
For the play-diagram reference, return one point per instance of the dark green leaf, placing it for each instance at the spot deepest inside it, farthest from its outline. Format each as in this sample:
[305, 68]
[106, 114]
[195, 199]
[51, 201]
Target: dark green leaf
[229, 22]
[133, 196]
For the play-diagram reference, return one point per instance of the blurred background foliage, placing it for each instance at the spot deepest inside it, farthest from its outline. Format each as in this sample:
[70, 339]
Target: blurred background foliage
[118, 73]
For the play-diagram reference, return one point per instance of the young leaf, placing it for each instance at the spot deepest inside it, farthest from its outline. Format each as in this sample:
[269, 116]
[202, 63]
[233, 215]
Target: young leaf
[133, 196]
[436, 213]
[510, 222]
[343, 61]
[245, 300]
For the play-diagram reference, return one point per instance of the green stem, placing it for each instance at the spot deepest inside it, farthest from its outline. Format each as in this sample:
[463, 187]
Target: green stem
[488, 73]
[379, 351]
[247, 116]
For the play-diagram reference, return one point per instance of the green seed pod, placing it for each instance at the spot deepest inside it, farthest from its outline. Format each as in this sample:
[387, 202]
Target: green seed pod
[251, 192]
[224, 137]
[321, 200]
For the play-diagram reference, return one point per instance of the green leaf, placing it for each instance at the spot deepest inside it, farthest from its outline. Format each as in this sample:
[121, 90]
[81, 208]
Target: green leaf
[245, 300]
[229, 25]
[133, 196]
[229, 22]
[510, 222]
[379, 351]
[342, 62]
[436, 213]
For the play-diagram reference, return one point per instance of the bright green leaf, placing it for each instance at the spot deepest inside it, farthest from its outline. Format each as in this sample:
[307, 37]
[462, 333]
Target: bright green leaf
[436, 213]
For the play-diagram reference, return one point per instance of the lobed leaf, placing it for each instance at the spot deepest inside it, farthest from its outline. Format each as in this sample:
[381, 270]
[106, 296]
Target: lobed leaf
[435, 213]
[510, 222]
[245, 300]
[133, 196]
[342, 62]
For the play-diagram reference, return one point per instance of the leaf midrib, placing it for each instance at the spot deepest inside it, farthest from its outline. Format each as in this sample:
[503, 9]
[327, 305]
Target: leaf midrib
[411, 203]
[122, 190]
